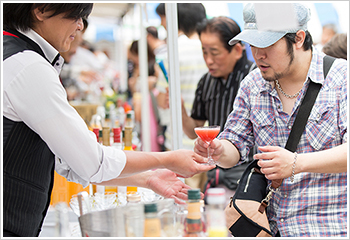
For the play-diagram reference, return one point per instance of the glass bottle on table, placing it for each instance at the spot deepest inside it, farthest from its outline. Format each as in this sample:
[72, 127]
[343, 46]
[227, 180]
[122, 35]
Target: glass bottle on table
[216, 219]
[193, 225]
[117, 141]
[152, 227]
[128, 147]
[134, 216]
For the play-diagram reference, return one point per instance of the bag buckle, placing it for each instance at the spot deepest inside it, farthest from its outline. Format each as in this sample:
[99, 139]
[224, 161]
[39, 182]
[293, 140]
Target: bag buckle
[266, 200]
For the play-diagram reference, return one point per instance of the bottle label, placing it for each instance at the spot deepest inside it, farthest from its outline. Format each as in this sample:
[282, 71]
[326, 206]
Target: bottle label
[194, 210]
[152, 227]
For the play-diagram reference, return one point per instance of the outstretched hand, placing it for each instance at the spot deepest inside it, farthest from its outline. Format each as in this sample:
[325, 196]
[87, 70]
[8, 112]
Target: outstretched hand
[186, 163]
[165, 182]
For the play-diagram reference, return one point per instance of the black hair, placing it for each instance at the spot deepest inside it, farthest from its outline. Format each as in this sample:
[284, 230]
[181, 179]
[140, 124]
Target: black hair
[160, 9]
[188, 15]
[18, 16]
[226, 28]
[134, 49]
[153, 31]
[290, 37]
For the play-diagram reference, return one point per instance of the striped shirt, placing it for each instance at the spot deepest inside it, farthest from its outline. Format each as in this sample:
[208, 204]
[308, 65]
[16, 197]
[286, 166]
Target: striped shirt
[215, 96]
[315, 205]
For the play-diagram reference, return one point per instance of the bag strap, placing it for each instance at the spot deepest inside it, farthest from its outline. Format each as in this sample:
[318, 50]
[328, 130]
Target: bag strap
[304, 111]
[300, 123]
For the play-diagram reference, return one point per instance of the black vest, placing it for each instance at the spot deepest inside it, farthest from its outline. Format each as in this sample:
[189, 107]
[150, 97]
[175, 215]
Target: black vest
[28, 163]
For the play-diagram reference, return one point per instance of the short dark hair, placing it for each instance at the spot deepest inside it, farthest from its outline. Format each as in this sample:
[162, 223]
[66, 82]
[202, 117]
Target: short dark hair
[153, 31]
[160, 9]
[225, 27]
[308, 42]
[188, 15]
[18, 16]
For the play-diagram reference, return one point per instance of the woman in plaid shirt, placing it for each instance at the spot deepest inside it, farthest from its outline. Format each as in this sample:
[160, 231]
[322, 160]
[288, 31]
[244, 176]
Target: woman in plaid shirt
[313, 202]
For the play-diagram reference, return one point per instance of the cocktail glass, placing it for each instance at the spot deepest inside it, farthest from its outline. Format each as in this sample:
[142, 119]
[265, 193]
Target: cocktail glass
[208, 134]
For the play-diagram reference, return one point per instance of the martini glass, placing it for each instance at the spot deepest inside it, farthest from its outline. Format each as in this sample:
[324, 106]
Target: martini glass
[208, 134]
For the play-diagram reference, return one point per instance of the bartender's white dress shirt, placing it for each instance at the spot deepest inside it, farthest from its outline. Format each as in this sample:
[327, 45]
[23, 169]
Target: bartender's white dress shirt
[33, 94]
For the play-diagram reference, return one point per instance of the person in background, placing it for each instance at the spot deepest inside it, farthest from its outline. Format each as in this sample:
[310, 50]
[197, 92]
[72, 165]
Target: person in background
[312, 200]
[158, 46]
[228, 65]
[337, 47]
[191, 66]
[42, 132]
[328, 31]
[134, 83]
[67, 77]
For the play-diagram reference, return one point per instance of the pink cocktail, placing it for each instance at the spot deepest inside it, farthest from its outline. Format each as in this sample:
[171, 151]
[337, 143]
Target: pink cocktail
[208, 134]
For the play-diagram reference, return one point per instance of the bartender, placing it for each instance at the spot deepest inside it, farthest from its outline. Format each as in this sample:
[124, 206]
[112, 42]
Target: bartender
[42, 132]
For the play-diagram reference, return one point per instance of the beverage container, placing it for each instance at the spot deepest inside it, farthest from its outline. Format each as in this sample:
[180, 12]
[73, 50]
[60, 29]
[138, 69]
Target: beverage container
[208, 134]
[193, 225]
[62, 220]
[152, 227]
[128, 147]
[216, 221]
[166, 213]
[134, 216]
[117, 141]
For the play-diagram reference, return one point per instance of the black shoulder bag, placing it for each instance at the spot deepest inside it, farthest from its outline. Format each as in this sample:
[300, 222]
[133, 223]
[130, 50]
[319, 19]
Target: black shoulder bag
[245, 215]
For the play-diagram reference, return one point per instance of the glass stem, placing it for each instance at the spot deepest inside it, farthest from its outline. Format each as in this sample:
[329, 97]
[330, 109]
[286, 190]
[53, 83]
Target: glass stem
[208, 150]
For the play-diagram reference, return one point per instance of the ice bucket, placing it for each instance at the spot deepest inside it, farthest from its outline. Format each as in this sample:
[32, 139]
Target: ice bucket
[105, 223]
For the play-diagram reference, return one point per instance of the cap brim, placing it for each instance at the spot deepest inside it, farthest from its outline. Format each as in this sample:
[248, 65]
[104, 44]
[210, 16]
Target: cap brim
[259, 39]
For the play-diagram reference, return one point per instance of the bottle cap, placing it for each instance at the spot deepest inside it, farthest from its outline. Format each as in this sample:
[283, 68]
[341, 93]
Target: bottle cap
[150, 207]
[135, 197]
[194, 194]
[129, 115]
[216, 196]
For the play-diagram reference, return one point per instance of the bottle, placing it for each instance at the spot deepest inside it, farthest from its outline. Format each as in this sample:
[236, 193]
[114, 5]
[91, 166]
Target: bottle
[117, 141]
[134, 216]
[129, 121]
[106, 141]
[62, 220]
[106, 133]
[167, 216]
[128, 147]
[152, 227]
[98, 119]
[216, 220]
[193, 226]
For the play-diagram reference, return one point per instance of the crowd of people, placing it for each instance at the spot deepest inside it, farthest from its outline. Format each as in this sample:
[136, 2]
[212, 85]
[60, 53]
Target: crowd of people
[48, 63]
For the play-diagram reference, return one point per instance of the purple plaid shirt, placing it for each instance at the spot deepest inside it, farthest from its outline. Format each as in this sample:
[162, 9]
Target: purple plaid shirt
[315, 205]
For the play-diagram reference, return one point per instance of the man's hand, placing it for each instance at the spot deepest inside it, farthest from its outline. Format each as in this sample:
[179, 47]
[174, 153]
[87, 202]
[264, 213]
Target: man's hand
[185, 163]
[275, 162]
[165, 182]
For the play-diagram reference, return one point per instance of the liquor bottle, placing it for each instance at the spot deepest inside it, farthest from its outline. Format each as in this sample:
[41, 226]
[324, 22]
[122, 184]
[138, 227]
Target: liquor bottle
[128, 147]
[152, 227]
[106, 136]
[194, 225]
[134, 216]
[117, 141]
[98, 119]
[216, 220]
[129, 121]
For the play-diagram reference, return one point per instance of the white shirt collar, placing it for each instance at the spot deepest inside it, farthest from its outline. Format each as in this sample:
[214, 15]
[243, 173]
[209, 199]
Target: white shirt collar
[49, 51]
